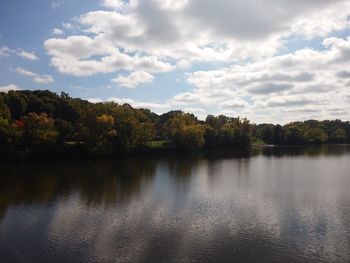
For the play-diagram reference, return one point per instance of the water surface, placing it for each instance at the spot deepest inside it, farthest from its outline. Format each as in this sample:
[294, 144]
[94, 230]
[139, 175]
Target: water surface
[261, 205]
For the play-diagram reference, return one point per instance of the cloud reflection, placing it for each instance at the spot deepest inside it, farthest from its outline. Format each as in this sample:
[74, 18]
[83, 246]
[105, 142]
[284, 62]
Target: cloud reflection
[178, 209]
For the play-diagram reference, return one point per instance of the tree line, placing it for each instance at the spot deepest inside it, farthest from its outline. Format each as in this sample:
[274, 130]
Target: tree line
[42, 124]
[304, 133]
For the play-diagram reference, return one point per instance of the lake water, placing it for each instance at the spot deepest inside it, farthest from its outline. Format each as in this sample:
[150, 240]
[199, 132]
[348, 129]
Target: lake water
[262, 205]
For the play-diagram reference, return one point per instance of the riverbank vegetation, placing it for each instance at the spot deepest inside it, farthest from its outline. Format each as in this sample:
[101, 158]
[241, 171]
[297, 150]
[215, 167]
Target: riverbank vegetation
[304, 133]
[42, 124]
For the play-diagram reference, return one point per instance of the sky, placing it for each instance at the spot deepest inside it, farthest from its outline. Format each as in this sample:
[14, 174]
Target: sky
[268, 60]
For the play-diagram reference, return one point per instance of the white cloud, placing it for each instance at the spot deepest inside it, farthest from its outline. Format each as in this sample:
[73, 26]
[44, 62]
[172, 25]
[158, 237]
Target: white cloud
[300, 83]
[185, 32]
[5, 51]
[198, 112]
[324, 22]
[160, 36]
[68, 26]
[291, 100]
[7, 88]
[154, 30]
[134, 79]
[94, 100]
[156, 107]
[57, 32]
[233, 104]
[76, 55]
[186, 98]
[43, 79]
[114, 4]
[56, 5]
[28, 55]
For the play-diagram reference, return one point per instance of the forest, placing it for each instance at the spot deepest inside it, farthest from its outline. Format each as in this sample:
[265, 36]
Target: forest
[42, 124]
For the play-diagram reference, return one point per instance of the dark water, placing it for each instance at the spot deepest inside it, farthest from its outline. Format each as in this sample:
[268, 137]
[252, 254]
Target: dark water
[263, 205]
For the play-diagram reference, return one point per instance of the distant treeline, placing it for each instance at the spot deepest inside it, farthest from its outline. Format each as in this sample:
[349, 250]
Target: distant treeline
[42, 124]
[304, 133]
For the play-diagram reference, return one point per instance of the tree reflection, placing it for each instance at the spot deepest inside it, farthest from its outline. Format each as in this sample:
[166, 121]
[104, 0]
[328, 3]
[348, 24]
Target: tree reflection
[97, 182]
[208, 207]
[107, 182]
[309, 151]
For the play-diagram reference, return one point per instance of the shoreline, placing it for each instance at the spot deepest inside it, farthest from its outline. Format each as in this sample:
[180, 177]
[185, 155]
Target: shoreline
[155, 152]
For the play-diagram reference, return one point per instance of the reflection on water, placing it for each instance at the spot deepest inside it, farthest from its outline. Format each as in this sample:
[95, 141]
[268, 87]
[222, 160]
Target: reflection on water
[258, 205]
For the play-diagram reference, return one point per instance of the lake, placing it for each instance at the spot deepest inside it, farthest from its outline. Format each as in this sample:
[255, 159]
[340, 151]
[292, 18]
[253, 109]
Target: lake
[259, 205]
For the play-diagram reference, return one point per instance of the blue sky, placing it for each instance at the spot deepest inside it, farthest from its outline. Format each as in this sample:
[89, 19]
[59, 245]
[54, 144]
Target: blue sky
[270, 61]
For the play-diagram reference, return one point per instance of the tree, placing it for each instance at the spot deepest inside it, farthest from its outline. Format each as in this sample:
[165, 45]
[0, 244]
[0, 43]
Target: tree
[212, 137]
[176, 123]
[133, 128]
[277, 134]
[338, 136]
[266, 132]
[213, 122]
[65, 131]
[17, 104]
[315, 135]
[293, 134]
[39, 134]
[40, 123]
[66, 111]
[99, 134]
[5, 113]
[191, 137]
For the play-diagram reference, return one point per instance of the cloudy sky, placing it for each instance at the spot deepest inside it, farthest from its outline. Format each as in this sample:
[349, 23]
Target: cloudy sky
[268, 60]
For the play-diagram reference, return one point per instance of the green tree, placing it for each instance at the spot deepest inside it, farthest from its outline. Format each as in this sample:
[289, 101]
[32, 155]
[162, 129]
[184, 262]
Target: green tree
[315, 135]
[174, 126]
[39, 134]
[5, 113]
[17, 104]
[277, 134]
[338, 136]
[212, 137]
[191, 137]
[100, 134]
[293, 134]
